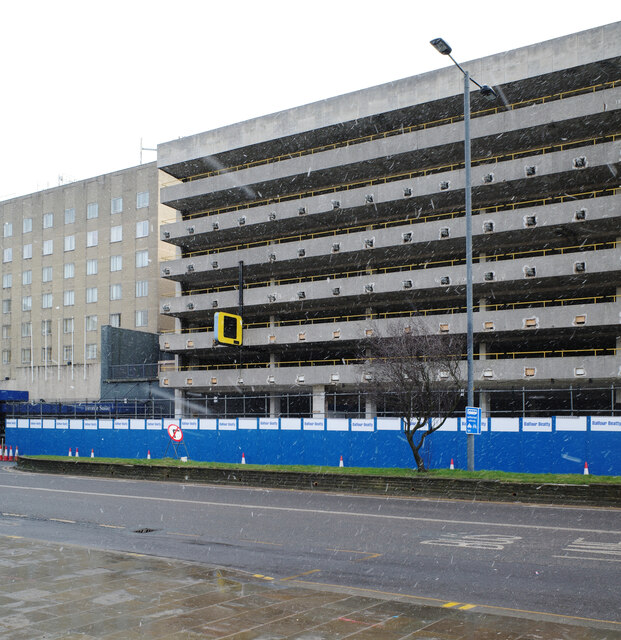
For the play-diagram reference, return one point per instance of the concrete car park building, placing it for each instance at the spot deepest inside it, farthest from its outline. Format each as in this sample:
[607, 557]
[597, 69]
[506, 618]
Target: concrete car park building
[348, 213]
[75, 258]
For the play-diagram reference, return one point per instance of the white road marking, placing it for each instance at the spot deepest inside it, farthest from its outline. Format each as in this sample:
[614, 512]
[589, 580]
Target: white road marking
[353, 514]
[587, 558]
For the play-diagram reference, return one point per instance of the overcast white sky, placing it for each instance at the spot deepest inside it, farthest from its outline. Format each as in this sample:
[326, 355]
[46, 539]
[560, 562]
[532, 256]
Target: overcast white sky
[82, 82]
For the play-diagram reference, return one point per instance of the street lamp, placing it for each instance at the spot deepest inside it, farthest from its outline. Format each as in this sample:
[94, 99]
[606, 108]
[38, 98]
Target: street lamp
[488, 93]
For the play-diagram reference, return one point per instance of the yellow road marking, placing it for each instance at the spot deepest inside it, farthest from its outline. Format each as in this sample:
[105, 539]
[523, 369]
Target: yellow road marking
[15, 515]
[274, 544]
[299, 575]
[111, 526]
[368, 555]
[428, 599]
[61, 520]
[14, 537]
[448, 605]
[468, 606]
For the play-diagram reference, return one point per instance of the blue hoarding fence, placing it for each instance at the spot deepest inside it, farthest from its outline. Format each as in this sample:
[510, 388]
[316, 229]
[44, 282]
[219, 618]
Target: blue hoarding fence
[560, 444]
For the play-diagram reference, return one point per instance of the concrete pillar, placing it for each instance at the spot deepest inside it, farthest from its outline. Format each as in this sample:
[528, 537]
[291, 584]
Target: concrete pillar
[319, 401]
[484, 403]
[370, 407]
[179, 403]
[274, 405]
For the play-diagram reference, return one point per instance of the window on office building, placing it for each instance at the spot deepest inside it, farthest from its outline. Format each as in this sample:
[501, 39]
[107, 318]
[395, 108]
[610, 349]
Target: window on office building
[91, 294]
[142, 229]
[6, 356]
[91, 239]
[6, 331]
[69, 270]
[91, 351]
[116, 233]
[69, 216]
[142, 258]
[115, 320]
[7, 280]
[46, 355]
[69, 244]
[142, 288]
[46, 327]
[142, 200]
[46, 301]
[26, 225]
[48, 220]
[6, 305]
[27, 251]
[27, 277]
[68, 298]
[91, 323]
[92, 210]
[67, 353]
[142, 318]
[7, 229]
[26, 329]
[46, 274]
[26, 355]
[27, 303]
[116, 263]
[91, 267]
[67, 325]
[48, 247]
[7, 254]
[116, 205]
[115, 292]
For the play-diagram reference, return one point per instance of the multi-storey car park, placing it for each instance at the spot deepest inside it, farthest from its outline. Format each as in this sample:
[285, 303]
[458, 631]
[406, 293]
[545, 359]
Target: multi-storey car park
[340, 216]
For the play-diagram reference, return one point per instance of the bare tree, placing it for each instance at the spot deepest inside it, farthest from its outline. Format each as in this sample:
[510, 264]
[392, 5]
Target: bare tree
[416, 372]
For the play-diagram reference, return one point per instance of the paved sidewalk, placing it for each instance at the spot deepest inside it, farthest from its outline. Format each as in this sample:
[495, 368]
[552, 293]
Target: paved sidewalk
[49, 591]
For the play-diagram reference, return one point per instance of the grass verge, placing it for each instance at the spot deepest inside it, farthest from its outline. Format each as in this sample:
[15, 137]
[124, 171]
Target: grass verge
[500, 476]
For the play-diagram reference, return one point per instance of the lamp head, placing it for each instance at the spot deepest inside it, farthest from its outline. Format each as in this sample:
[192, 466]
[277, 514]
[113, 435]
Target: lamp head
[441, 46]
[488, 93]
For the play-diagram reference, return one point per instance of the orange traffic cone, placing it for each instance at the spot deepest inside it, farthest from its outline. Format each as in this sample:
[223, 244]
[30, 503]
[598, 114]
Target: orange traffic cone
[92, 453]
[10, 454]
[16, 452]
[586, 469]
[341, 462]
[452, 465]
[77, 453]
[243, 458]
[70, 454]
[148, 454]
[4, 454]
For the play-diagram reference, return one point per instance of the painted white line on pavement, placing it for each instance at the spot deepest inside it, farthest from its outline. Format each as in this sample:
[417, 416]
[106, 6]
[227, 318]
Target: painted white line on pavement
[354, 514]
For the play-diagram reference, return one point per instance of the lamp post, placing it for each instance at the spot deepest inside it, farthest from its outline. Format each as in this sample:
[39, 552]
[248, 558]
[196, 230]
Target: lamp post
[486, 91]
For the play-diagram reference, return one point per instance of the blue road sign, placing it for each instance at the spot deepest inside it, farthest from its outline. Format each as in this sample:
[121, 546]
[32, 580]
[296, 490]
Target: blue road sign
[473, 420]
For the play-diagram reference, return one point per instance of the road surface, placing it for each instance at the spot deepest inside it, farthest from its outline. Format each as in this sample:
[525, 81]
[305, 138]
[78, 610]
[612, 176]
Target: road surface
[545, 559]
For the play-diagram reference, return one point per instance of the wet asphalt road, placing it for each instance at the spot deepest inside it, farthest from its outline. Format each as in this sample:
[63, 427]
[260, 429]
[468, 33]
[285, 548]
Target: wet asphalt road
[543, 559]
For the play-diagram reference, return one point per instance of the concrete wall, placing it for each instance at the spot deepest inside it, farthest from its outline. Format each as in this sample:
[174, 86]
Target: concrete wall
[553, 55]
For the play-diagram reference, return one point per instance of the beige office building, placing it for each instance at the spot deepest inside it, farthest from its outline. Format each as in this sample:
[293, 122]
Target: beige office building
[75, 258]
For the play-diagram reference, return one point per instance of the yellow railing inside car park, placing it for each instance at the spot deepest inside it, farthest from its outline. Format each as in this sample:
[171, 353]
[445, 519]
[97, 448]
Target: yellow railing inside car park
[506, 306]
[167, 366]
[427, 264]
[417, 173]
[511, 206]
[401, 130]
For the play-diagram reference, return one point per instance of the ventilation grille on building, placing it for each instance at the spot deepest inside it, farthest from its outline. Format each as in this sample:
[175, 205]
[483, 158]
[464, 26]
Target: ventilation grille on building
[580, 162]
[336, 247]
[530, 171]
[407, 192]
[368, 198]
[336, 204]
[488, 226]
[215, 226]
[242, 221]
[301, 211]
[407, 236]
[445, 280]
[445, 232]
[488, 178]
